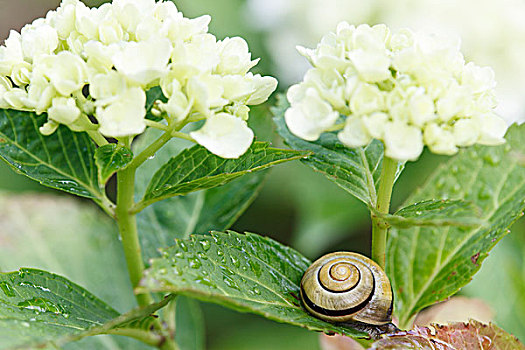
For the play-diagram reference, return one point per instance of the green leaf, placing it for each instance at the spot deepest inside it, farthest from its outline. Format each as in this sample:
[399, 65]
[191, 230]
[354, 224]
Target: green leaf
[36, 305]
[37, 231]
[197, 169]
[356, 170]
[189, 331]
[248, 273]
[196, 213]
[507, 257]
[440, 212]
[63, 160]
[429, 264]
[110, 159]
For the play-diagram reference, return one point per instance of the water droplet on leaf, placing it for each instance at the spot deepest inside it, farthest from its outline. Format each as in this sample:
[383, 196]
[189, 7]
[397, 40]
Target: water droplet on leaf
[7, 289]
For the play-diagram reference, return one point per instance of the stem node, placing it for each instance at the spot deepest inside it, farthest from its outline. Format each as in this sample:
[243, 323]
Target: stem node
[379, 226]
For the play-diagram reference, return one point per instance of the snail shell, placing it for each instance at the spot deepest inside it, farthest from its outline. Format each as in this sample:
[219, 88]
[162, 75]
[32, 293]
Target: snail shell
[344, 286]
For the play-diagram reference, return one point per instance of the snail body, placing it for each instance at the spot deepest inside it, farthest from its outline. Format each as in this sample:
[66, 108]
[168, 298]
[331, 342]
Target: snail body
[347, 287]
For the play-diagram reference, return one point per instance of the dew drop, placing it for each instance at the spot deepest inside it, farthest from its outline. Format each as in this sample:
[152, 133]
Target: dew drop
[205, 281]
[7, 289]
[202, 255]
[179, 255]
[183, 246]
[39, 305]
[220, 252]
[226, 270]
[205, 244]
[230, 282]
[492, 158]
[235, 261]
[484, 193]
[195, 263]
[256, 291]
[32, 285]
[176, 271]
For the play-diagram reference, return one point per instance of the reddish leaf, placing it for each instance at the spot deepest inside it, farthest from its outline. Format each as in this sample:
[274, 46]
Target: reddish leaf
[457, 336]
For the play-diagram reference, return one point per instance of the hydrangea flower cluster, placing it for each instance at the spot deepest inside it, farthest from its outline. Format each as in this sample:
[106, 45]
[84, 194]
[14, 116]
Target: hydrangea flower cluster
[90, 68]
[405, 89]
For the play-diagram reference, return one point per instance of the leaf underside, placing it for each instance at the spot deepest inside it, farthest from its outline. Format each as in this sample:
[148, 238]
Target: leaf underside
[248, 273]
[356, 170]
[429, 264]
[63, 160]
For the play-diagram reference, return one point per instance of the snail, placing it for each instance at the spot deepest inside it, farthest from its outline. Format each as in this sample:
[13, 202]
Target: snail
[345, 287]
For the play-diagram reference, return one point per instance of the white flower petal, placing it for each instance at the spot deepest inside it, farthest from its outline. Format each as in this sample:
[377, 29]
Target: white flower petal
[402, 141]
[63, 110]
[311, 117]
[492, 129]
[263, 87]
[371, 66]
[124, 116]
[143, 62]
[439, 140]
[224, 135]
[466, 132]
[354, 133]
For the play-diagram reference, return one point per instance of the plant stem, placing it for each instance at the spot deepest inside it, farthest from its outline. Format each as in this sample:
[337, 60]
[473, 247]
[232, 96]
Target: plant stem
[150, 150]
[156, 125]
[97, 137]
[144, 336]
[127, 224]
[182, 135]
[379, 227]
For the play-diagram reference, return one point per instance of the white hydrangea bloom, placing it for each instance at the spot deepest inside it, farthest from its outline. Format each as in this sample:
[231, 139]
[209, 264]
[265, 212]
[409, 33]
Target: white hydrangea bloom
[90, 69]
[406, 89]
[492, 33]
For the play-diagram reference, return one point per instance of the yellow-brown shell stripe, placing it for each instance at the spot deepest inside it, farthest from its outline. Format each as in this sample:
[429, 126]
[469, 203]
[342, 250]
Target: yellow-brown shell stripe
[347, 286]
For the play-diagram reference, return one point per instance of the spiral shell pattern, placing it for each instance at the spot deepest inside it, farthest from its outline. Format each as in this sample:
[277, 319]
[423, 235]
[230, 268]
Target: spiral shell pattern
[345, 286]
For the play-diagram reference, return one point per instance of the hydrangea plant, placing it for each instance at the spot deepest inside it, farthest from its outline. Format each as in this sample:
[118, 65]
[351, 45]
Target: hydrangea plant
[90, 69]
[92, 93]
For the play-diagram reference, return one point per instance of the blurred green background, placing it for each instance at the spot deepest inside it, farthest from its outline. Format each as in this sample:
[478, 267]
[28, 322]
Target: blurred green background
[297, 207]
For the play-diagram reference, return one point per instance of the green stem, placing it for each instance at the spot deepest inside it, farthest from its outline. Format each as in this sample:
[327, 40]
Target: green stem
[169, 315]
[128, 230]
[150, 151]
[144, 336]
[97, 137]
[182, 135]
[379, 227]
[156, 125]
